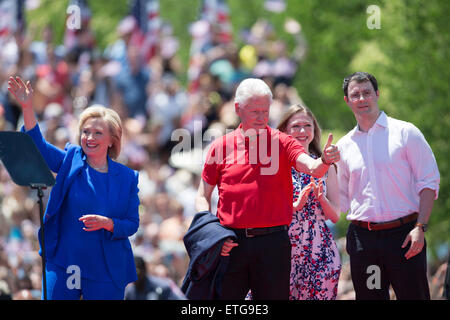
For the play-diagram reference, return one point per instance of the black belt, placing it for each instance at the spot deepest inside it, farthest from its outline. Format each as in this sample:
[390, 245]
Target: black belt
[253, 232]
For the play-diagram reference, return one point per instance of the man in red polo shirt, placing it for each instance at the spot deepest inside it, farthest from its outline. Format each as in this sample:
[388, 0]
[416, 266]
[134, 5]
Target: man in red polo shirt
[251, 167]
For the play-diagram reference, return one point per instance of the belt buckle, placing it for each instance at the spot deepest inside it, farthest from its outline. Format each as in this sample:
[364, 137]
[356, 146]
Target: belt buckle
[249, 235]
[368, 226]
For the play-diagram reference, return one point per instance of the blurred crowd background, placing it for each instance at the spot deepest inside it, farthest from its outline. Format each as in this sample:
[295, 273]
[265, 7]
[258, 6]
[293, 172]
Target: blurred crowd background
[163, 106]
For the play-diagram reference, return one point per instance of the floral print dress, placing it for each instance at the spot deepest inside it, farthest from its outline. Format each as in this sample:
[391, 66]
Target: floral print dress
[315, 263]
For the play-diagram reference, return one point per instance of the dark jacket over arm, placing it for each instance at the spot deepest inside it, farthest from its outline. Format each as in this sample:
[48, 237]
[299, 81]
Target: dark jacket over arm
[203, 242]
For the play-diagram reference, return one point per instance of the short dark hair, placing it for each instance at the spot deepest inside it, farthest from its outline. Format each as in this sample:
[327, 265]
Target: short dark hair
[359, 77]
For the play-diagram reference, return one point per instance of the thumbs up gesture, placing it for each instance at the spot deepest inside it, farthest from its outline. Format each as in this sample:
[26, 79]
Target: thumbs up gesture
[330, 152]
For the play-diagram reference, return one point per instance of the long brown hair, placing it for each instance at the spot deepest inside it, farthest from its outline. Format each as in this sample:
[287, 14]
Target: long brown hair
[314, 146]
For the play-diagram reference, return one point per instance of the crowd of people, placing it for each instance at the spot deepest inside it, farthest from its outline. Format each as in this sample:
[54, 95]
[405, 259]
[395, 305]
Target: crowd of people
[152, 103]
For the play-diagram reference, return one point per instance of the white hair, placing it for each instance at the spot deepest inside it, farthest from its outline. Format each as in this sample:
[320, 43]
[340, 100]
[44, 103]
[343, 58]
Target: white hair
[250, 88]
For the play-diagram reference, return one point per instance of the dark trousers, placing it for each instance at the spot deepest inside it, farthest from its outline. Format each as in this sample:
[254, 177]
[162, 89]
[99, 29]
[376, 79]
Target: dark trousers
[377, 260]
[262, 264]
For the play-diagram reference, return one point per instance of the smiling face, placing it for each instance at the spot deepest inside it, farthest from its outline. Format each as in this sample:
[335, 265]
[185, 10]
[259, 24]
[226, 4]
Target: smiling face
[254, 113]
[362, 99]
[95, 138]
[301, 127]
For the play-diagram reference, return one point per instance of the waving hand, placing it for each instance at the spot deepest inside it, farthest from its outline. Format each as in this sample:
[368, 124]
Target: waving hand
[23, 93]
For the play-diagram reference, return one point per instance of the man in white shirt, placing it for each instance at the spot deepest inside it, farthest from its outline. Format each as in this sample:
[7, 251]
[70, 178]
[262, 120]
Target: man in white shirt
[388, 180]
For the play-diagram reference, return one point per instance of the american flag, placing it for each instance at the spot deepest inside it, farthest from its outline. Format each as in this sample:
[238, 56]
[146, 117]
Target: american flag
[214, 18]
[146, 35]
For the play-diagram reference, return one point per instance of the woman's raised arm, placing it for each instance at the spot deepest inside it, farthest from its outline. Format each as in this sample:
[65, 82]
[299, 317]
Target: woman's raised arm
[23, 94]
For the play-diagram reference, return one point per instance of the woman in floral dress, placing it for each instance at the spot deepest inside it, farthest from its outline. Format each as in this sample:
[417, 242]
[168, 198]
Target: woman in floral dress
[316, 265]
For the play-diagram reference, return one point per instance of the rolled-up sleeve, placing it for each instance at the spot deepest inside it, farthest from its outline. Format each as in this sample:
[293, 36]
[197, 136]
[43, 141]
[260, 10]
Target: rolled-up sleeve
[422, 161]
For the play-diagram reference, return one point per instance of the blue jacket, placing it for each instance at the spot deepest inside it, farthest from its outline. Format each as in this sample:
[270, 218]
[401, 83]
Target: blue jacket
[122, 205]
[203, 242]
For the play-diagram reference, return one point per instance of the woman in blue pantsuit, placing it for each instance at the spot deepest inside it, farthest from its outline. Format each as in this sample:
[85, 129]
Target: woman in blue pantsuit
[92, 208]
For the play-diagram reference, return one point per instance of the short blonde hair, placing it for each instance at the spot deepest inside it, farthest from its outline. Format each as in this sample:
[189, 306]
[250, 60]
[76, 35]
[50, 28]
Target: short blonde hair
[113, 122]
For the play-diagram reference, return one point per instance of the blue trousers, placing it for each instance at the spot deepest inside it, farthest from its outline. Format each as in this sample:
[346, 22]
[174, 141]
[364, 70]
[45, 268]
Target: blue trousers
[60, 286]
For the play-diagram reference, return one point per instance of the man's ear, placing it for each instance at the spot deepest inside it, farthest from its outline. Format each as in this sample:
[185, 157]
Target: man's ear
[346, 99]
[236, 108]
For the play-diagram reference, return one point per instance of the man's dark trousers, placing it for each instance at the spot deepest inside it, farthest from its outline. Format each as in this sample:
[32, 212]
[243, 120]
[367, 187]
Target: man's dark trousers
[380, 252]
[262, 264]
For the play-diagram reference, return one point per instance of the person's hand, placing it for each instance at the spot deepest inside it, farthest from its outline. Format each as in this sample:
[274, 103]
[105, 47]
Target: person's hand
[22, 92]
[318, 190]
[303, 196]
[227, 246]
[330, 152]
[417, 239]
[93, 222]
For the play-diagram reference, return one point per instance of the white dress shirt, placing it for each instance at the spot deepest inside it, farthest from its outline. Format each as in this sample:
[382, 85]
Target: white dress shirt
[382, 171]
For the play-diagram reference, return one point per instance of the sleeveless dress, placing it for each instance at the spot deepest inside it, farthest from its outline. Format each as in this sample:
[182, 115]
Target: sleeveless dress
[315, 263]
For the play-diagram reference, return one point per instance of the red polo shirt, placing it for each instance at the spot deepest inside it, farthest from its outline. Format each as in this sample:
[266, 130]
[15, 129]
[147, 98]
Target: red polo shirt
[253, 178]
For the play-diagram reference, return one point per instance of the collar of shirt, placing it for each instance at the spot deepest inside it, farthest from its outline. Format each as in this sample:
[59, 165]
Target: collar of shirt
[381, 121]
[242, 137]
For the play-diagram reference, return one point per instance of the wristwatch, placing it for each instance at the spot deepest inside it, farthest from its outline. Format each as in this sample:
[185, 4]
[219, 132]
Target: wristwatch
[422, 226]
